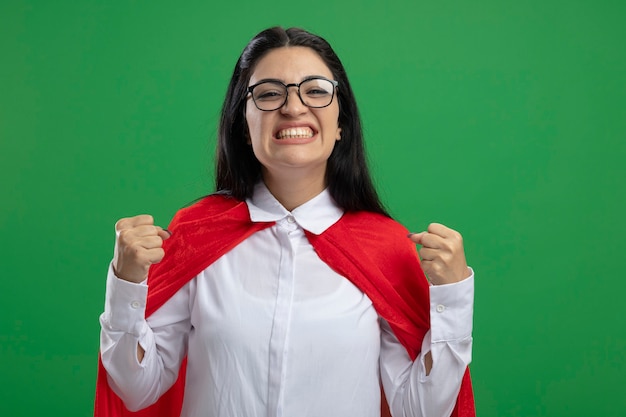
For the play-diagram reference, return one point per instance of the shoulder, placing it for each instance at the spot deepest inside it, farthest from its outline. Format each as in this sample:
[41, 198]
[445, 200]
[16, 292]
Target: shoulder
[378, 235]
[381, 243]
[375, 222]
[212, 206]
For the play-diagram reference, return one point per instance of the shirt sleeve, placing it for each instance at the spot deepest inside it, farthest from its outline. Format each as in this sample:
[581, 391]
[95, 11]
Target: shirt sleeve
[409, 391]
[163, 337]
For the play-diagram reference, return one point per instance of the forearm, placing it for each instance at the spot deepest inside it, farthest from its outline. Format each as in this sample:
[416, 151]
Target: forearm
[434, 394]
[429, 385]
[138, 384]
[141, 362]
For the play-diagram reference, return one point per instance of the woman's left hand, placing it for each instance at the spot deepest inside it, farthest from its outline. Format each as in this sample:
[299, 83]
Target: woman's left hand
[442, 254]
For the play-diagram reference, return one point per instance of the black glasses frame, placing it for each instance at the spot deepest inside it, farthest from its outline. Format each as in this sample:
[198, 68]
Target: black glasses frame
[333, 82]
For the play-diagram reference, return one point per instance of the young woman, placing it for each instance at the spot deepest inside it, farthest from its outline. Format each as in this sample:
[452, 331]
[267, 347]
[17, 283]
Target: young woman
[290, 291]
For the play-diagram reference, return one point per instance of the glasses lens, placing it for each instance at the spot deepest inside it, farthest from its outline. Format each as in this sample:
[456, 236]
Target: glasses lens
[317, 92]
[269, 95]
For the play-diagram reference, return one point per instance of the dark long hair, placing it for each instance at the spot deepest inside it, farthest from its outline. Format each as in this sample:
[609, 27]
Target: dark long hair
[238, 170]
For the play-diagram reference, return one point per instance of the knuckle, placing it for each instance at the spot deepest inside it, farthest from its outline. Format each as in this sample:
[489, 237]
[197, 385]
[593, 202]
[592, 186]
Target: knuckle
[121, 224]
[122, 236]
[134, 253]
[159, 253]
[437, 268]
[135, 221]
[125, 236]
[148, 230]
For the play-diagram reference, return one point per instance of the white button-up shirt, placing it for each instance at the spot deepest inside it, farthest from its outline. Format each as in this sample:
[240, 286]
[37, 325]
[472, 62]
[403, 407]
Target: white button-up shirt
[270, 330]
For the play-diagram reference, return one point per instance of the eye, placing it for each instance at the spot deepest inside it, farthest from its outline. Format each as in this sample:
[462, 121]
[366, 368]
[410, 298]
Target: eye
[268, 95]
[317, 88]
[316, 92]
[268, 92]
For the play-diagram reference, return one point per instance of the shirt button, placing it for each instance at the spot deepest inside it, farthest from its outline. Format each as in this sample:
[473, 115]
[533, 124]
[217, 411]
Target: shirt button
[135, 304]
[290, 219]
[441, 308]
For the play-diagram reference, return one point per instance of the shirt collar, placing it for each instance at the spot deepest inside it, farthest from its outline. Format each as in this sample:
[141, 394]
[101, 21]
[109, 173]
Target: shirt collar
[315, 216]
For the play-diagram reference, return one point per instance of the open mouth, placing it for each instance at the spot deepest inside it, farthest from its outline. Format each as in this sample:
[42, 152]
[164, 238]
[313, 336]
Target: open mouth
[295, 133]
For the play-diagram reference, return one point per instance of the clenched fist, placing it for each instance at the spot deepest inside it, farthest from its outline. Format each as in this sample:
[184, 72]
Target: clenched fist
[138, 245]
[442, 253]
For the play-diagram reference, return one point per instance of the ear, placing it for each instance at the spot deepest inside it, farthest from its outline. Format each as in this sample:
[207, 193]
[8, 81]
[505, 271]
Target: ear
[338, 134]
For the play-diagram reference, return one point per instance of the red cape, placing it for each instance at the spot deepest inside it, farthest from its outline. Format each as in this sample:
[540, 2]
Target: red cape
[369, 249]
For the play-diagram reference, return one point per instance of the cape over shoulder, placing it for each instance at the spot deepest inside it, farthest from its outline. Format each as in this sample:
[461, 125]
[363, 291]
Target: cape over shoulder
[373, 252]
[210, 206]
[201, 233]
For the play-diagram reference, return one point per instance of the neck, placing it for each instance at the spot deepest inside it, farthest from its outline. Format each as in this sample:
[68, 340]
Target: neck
[294, 190]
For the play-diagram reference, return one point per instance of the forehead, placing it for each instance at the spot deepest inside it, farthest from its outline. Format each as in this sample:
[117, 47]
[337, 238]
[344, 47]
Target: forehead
[290, 64]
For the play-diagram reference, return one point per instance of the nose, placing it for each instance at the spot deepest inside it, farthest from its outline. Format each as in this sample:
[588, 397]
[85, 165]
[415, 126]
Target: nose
[294, 105]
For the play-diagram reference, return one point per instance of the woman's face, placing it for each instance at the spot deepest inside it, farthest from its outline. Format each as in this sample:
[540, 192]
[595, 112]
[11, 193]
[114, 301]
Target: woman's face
[294, 139]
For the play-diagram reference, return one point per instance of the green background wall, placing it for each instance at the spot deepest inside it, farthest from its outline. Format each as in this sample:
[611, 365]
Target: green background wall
[505, 120]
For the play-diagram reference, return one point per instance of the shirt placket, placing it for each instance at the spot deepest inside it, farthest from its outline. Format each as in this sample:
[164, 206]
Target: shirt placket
[279, 339]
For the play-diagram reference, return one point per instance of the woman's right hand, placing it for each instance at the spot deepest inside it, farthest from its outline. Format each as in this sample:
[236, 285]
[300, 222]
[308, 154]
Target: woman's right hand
[138, 244]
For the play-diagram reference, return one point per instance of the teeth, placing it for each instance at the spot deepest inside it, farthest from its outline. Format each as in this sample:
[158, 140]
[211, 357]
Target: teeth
[295, 132]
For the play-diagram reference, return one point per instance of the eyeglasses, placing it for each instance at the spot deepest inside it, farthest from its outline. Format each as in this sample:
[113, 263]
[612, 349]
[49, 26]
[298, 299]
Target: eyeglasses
[314, 92]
